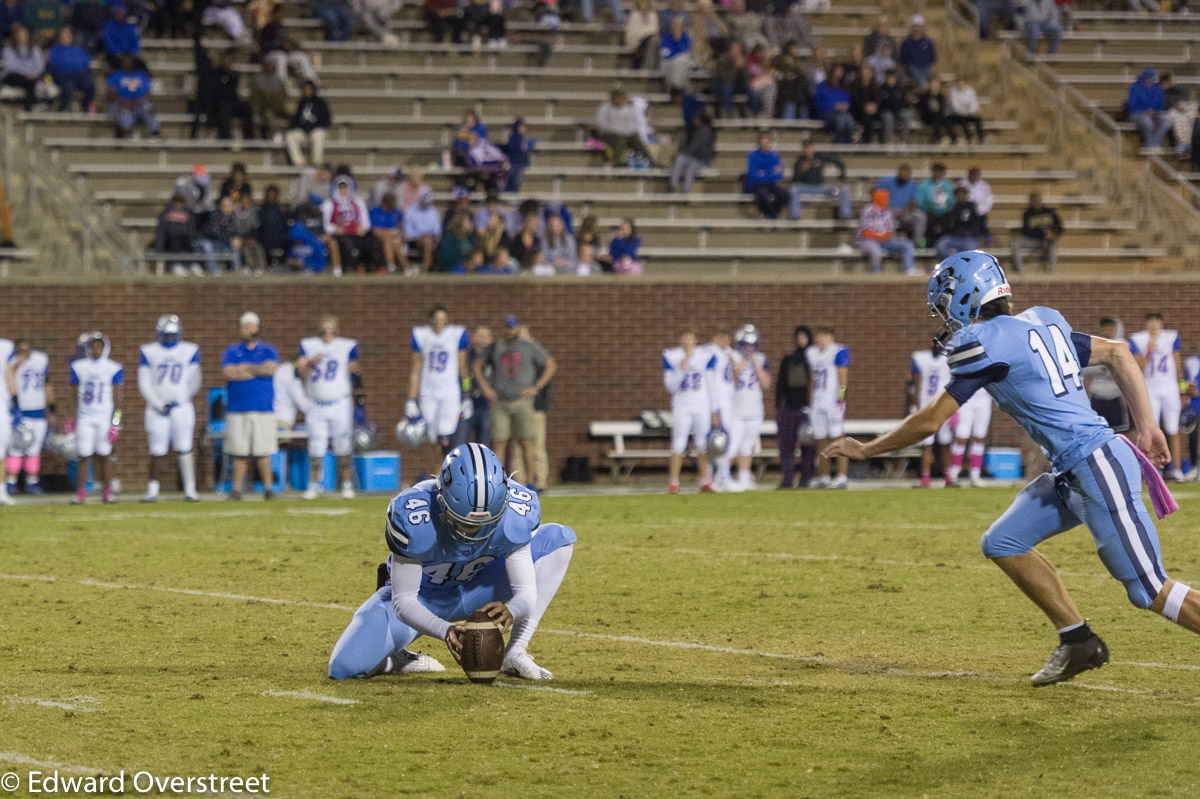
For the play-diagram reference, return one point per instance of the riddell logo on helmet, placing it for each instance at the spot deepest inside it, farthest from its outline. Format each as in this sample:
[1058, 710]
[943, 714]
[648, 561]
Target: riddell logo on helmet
[480, 515]
[1003, 291]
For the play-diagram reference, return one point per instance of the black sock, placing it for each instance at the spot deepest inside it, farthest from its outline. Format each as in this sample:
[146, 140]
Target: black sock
[1075, 636]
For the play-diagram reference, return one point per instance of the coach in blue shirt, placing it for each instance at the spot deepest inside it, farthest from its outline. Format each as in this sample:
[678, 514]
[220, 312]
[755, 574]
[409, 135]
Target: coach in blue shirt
[250, 430]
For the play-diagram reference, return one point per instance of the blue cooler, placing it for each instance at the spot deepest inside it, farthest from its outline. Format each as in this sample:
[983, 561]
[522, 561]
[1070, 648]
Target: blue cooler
[1003, 463]
[73, 471]
[378, 471]
[298, 470]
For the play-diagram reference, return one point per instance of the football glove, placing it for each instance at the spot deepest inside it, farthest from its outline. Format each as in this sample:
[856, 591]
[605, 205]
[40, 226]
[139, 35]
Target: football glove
[69, 424]
[170, 406]
[467, 409]
[114, 433]
[412, 410]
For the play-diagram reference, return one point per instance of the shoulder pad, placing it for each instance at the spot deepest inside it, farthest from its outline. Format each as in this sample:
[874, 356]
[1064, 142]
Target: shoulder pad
[408, 529]
[523, 516]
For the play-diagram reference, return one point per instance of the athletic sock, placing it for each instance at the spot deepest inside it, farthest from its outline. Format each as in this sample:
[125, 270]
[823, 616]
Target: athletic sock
[33, 468]
[13, 464]
[187, 473]
[1075, 634]
[956, 458]
[549, 572]
[976, 460]
[152, 487]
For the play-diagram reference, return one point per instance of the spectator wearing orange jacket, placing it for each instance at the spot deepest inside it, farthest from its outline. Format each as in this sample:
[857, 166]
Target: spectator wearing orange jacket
[877, 234]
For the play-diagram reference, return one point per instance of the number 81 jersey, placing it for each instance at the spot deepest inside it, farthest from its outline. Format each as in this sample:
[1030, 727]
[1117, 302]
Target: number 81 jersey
[413, 531]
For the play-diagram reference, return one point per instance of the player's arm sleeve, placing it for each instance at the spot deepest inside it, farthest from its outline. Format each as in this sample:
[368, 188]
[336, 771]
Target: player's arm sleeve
[1083, 348]
[406, 585]
[193, 375]
[671, 376]
[963, 386]
[523, 581]
[146, 386]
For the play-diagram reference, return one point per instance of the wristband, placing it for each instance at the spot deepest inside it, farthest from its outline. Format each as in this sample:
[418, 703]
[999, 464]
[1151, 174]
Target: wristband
[1182, 386]
[465, 382]
[841, 393]
[52, 407]
[116, 420]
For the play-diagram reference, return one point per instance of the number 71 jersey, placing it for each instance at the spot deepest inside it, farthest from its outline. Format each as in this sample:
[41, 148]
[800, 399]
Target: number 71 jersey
[412, 532]
[1031, 364]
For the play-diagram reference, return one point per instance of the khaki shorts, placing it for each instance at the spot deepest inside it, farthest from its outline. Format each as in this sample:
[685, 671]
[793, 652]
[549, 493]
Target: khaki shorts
[251, 435]
[512, 420]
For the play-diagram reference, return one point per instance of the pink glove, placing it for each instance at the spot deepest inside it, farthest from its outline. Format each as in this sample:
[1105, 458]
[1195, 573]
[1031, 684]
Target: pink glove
[114, 433]
[69, 424]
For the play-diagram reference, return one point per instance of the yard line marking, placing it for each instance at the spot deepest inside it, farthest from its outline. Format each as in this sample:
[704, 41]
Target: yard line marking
[25, 760]
[967, 675]
[675, 523]
[542, 688]
[337, 700]
[319, 511]
[211, 514]
[81, 704]
[215, 594]
[1180, 666]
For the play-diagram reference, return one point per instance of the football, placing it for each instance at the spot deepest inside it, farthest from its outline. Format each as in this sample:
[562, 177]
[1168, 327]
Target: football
[483, 648]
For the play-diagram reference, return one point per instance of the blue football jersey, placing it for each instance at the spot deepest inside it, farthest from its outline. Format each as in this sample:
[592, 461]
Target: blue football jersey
[412, 531]
[1031, 364]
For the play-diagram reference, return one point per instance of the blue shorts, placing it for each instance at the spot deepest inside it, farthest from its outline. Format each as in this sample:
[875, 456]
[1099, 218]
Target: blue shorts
[375, 632]
[1105, 493]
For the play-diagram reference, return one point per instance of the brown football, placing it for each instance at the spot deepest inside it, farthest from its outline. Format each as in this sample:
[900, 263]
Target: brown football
[483, 648]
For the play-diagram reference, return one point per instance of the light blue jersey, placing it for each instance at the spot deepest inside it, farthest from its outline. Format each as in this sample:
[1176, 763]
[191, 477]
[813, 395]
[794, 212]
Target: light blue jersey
[1032, 366]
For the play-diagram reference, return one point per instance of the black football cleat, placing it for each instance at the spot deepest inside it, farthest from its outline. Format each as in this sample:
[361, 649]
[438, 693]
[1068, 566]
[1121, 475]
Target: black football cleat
[1067, 660]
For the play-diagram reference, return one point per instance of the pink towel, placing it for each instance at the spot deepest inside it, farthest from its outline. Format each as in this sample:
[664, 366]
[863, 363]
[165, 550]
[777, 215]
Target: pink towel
[1160, 496]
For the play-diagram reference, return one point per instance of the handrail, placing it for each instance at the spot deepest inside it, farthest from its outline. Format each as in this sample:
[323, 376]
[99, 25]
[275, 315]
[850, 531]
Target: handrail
[963, 15]
[1173, 183]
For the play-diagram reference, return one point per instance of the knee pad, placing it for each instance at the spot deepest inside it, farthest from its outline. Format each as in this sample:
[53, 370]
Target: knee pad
[996, 545]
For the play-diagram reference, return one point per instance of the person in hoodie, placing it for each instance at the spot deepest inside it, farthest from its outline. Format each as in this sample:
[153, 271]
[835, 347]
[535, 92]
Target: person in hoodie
[764, 178]
[962, 225]
[309, 125]
[69, 65]
[272, 227]
[120, 37]
[176, 232]
[23, 64]
[518, 149]
[1146, 104]
[917, 52]
[346, 219]
[934, 109]
[219, 237]
[245, 229]
[128, 88]
[306, 251]
[696, 155]
[877, 235]
[227, 104]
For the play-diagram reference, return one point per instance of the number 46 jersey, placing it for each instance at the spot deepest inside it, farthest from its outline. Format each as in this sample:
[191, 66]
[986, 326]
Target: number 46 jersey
[1031, 364]
[448, 564]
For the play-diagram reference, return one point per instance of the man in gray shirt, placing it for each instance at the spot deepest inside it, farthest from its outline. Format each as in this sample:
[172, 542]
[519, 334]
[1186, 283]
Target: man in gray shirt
[1101, 389]
[519, 370]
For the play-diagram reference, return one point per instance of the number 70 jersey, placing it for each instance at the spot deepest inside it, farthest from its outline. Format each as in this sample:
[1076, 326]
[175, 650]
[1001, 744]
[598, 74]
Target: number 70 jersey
[1032, 366]
[411, 532]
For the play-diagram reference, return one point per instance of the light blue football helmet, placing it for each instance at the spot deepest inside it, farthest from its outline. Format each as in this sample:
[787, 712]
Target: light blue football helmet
[472, 492]
[959, 287]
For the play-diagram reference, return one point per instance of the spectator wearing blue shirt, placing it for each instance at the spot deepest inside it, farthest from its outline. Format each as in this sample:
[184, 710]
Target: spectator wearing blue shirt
[385, 225]
[1147, 108]
[833, 105]
[764, 178]
[306, 251]
[423, 227]
[518, 149]
[250, 430]
[902, 199]
[623, 249]
[119, 37]
[917, 52]
[675, 50]
[127, 103]
[69, 65]
[462, 139]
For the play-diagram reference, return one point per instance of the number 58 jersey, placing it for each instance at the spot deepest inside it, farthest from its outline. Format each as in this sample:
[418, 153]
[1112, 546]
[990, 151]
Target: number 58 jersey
[1031, 364]
[411, 532]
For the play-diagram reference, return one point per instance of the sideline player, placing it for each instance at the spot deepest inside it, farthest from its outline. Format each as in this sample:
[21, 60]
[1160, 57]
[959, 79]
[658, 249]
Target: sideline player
[438, 382]
[830, 365]
[168, 379]
[1031, 363]
[36, 408]
[470, 540]
[974, 419]
[1157, 352]
[750, 368]
[101, 385]
[689, 375]
[330, 364]
[7, 392]
[722, 415]
[930, 374]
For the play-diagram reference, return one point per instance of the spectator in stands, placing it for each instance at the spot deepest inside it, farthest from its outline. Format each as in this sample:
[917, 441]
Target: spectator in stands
[642, 35]
[391, 183]
[623, 249]
[808, 180]
[222, 14]
[281, 51]
[121, 37]
[882, 62]
[245, 228]
[218, 238]
[376, 16]
[491, 209]
[553, 208]
[128, 88]
[589, 235]
[43, 18]
[344, 216]
[833, 106]
[458, 240]
[1003, 9]
[423, 227]
[166, 19]
[877, 235]
[616, 123]
[527, 243]
[964, 110]
[795, 86]
[1042, 19]
[764, 178]
[675, 48]
[486, 164]
[12, 12]
[272, 227]
[462, 139]
[1182, 109]
[558, 247]
[385, 227]
[902, 199]
[484, 21]
[193, 188]
[519, 148]
[1146, 105]
[762, 81]
[787, 21]
[746, 26]
[895, 109]
[227, 104]
[24, 64]
[306, 250]
[917, 52]
[979, 192]
[493, 236]
[269, 101]
[87, 20]
[413, 187]
[864, 105]
[962, 227]
[791, 404]
[460, 204]
[675, 8]
[933, 109]
[313, 186]
[730, 75]
[176, 233]
[336, 18]
[935, 196]
[236, 185]
[710, 34]
[309, 125]
[587, 9]
[880, 34]
[443, 18]
[70, 66]
[697, 154]
[1040, 230]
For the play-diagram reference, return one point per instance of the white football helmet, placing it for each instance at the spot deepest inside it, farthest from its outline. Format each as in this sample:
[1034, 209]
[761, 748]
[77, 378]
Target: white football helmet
[366, 437]
[22, 437]
[412, 433]
[63, 445]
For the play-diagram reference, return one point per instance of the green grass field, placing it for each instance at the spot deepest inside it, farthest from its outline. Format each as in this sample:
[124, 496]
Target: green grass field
[772, 644]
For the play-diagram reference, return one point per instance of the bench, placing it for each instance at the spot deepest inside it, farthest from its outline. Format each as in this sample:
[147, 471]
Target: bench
[10, 254]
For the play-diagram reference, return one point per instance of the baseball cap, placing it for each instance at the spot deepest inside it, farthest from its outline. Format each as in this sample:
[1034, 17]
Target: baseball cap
[917, 19]
[512, 321]
[460, 193]
[249, 316]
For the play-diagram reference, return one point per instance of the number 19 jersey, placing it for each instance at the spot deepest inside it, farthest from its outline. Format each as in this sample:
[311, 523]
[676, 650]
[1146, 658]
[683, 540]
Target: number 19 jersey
[439, 358]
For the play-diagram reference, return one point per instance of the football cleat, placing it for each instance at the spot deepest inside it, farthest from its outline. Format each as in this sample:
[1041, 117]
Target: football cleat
[1067, 660]
[521, 665]
[407, 662]
[347, 490]
[820, 482]
[5, 499]
[673, 488]
[839, 482]
[707, 488]
[976, 482]
[34, 489]
[312, 492]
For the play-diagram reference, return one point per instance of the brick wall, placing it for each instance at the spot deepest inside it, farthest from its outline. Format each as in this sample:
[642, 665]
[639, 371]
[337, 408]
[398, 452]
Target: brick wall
[605, 335]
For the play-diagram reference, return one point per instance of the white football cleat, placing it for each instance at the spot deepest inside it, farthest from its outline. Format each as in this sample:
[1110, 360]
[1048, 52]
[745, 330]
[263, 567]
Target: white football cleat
[522, 665]
[312, 492]
[5, 499]
[347, 491]
[839, 482]
[820, 482]
[976, 482]
[407, 662]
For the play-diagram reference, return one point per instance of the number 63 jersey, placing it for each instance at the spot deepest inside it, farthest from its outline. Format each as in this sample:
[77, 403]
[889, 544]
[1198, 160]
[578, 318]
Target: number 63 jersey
[413, 519]
[1031, 364]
